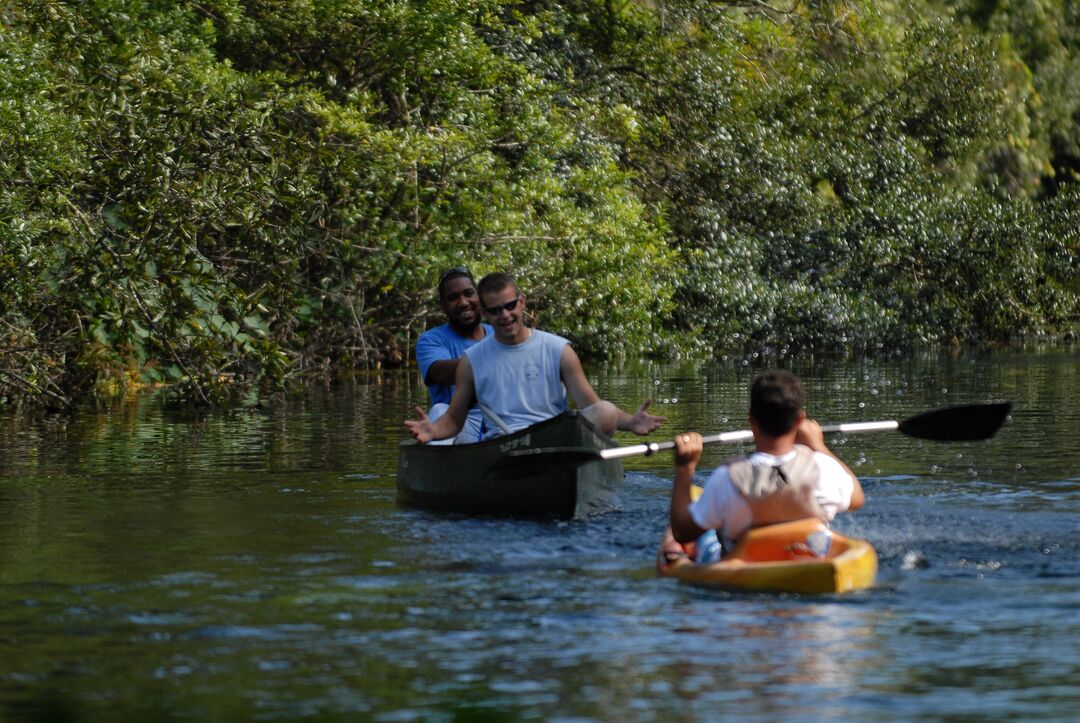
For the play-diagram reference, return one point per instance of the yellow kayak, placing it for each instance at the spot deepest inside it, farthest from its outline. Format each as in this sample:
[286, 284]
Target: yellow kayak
[803, 556]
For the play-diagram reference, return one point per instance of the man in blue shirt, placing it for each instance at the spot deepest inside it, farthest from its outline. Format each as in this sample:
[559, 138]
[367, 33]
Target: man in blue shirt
[439, 350]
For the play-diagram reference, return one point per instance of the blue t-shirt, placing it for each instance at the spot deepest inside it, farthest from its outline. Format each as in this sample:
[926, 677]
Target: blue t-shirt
[437, 344]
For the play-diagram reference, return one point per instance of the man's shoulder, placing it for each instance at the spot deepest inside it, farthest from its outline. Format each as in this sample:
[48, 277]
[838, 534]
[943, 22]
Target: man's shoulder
[434, 333]
[829, 466]
[549, 337]
[719, 481]
[718, 492]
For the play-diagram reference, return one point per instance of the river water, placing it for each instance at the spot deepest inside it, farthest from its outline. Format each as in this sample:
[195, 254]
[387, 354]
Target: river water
[158, 565]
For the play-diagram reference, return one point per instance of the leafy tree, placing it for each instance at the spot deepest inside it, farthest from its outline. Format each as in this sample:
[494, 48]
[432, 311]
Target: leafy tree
[1040, 48]
[230, 194]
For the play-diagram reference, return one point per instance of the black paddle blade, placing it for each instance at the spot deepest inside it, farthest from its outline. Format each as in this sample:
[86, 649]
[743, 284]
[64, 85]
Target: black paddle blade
[958, 424]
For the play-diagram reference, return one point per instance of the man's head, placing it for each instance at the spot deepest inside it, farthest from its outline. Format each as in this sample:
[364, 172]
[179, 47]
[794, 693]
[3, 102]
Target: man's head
[503, 306]
[459, 300]
[494, 283]
[458, 272]
[776, 402]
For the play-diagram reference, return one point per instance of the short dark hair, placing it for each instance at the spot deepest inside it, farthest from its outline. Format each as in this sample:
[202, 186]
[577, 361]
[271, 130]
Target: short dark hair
[776, 399]
[496, 282]
[454, 273]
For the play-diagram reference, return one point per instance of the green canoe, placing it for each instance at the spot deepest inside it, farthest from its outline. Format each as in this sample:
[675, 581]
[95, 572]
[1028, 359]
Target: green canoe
[481, 479]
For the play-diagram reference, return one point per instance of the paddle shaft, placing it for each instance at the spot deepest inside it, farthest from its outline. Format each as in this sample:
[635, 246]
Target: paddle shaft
[965, 422]
[742, 435]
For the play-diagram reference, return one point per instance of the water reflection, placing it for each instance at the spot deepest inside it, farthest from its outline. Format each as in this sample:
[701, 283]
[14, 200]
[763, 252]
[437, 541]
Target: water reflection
[156, 565]
[780, 648]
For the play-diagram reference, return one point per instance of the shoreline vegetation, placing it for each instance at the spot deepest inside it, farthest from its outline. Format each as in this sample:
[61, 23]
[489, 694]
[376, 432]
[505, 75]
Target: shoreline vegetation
[228, 196]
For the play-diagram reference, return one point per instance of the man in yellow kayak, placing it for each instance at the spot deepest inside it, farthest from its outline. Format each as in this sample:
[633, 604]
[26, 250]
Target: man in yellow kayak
[790, 475]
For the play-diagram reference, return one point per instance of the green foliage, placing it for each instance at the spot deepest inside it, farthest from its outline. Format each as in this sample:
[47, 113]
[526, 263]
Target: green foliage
[1040, 47]
[226, 195]
[821, 179]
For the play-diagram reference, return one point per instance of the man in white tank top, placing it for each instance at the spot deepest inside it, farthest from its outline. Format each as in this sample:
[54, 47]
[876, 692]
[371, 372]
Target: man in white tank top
[791, 474]
[523, 375]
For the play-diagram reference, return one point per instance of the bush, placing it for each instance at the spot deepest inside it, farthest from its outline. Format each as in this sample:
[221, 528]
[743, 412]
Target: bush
[228, 195]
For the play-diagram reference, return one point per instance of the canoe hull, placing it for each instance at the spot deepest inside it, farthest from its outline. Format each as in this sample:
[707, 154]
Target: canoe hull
[465, 477]
[780, 558]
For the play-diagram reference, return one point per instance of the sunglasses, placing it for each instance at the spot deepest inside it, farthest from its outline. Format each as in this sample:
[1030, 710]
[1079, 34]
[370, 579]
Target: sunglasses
[500, 308]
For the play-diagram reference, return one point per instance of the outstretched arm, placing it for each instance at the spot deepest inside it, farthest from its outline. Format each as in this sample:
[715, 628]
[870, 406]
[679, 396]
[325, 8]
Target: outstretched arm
[606, 415]
[641, 422]
[809, 433]
[448, 425]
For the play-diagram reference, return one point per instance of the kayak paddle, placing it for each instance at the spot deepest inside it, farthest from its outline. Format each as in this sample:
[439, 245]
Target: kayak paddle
[962, 423]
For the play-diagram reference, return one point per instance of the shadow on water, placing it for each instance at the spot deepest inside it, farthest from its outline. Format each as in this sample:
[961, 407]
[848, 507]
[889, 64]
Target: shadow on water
[255, 564]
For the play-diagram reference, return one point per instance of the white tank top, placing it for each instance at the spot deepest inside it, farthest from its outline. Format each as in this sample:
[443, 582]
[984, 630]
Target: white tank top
[520, 382]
